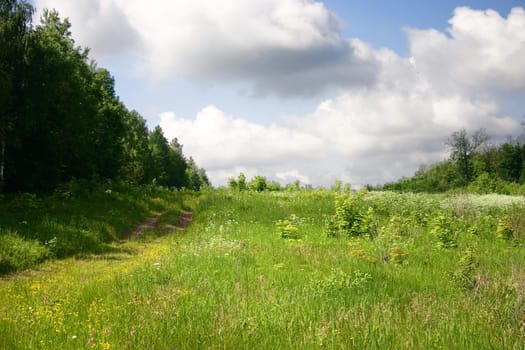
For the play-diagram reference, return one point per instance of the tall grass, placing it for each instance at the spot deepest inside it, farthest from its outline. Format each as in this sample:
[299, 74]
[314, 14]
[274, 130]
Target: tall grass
[79, 218]
[231, 281]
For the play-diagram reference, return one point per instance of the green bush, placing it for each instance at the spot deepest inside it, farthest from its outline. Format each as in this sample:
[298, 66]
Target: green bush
[352, 217]
[443, 229]
[288, 228]
[17, 253]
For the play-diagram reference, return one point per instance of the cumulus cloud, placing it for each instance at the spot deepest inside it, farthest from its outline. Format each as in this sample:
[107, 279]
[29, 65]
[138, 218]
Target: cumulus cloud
[377, 133]
[480, 50]
[220, 140]
[394, 112]
[291, 47]
[100, 25]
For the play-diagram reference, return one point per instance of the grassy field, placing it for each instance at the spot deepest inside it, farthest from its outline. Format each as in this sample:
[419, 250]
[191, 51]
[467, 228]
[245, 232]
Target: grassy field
[289, 270]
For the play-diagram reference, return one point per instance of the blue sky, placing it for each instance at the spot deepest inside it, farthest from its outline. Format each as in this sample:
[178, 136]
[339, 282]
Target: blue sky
[381, 22]
[363, 91]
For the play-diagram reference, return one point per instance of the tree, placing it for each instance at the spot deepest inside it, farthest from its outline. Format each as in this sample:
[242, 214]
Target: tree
[241, 182]
[196, 177]
[258, 183]
[160, 153]
[462, 150]
[107, 124]
[168, 165]
[510, 162]
[71, 125]
[15, 29]
[177, 166]
[60, 118]
[137, 155]
[232, 183]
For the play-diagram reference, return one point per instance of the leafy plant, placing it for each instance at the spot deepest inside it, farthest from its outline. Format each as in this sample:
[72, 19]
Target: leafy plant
[443, 229]
[464, 274]
[350, 218]
[288, 228]
[17, 253]
[339, 280]
[505, 230]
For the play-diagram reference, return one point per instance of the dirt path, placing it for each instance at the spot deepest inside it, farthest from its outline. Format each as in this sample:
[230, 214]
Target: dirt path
[183, 221]
[185, 218]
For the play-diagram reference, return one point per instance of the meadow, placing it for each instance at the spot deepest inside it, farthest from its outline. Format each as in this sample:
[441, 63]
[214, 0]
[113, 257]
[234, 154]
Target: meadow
[288, 270]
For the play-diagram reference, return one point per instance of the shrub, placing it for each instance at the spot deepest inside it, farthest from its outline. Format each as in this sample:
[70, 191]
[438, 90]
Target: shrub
[464, 274]
[18, 254]
[504, 229]
[339, 280]
[288, 228]
[350, 218]
[443, 230]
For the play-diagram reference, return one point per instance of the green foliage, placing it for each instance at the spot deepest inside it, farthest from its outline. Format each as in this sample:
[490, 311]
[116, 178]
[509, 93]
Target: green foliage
[60, 118]
[258, 184]
[443, 230]
[17, 253]
[337, 186]
[232, 184]
[196, 177]
[351, 218]
[505, 230]
[464, 275]
[511, 226]
[473, 166]
[241, 182]
[229, 281]
[289, 228]
[338, 281]
[79, 218]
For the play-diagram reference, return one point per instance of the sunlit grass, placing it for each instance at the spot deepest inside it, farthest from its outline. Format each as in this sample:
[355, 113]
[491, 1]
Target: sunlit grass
[231, 281]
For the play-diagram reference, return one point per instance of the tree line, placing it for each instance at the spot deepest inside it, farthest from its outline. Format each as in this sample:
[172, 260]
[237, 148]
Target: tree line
[60, 118]
[474, 164]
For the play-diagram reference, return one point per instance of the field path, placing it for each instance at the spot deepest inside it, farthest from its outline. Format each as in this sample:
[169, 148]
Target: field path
[184, 219]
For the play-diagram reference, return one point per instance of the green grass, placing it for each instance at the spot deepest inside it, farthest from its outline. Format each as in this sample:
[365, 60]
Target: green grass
[77, 219]
[230, 281]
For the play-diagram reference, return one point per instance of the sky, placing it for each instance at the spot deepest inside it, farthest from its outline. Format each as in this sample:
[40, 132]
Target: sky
[360, 91]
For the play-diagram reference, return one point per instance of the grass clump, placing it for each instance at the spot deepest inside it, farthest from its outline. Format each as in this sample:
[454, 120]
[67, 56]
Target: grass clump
[79, 218]
[17, 253]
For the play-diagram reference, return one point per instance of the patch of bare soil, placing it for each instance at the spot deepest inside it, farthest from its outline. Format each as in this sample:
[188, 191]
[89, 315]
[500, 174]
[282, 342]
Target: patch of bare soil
[183, 221]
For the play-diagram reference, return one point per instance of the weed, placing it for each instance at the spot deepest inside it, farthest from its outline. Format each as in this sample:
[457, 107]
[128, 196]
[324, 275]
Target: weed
[288, 228]
[505, 229]
[339, 280]
[464, 274]
[351, 218]
[442, 228]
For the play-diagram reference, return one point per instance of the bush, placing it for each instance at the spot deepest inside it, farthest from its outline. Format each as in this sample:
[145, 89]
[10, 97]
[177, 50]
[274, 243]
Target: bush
[288, 228]
[352, 217]
[18, 254]
[464, 274]
[443, 229]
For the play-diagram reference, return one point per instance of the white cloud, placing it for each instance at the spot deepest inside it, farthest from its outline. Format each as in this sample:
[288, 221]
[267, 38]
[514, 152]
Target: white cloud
[395, 113]
[218, 141]
[480, 51]
[283, 47]
[383, 135]
[368, 135]
[101, 25]
[290, 176]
